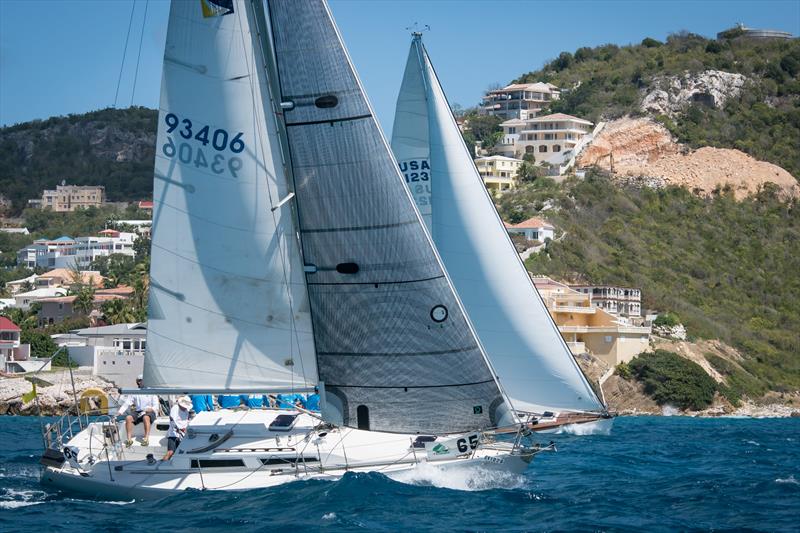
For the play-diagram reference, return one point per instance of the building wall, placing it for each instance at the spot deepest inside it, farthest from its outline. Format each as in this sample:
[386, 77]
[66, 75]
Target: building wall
[121, 369]
[71, 197]
[55, 312]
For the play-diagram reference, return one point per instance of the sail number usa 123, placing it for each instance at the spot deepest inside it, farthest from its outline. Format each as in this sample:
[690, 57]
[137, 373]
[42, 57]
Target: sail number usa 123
[200, 146]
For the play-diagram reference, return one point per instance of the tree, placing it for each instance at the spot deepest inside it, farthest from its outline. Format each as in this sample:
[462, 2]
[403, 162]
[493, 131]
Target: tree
[529, 172]
[41, 343]
[118, 311]
[84, 300]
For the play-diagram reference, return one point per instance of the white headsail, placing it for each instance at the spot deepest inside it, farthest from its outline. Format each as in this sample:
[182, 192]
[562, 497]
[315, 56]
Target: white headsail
[394, 349]
[532, 361]
[228, 303]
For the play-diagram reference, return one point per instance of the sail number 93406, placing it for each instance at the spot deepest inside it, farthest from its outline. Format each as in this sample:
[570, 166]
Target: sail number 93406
[220, 141]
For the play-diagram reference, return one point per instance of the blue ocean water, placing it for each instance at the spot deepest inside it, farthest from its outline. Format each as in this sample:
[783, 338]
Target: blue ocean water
[650, 474]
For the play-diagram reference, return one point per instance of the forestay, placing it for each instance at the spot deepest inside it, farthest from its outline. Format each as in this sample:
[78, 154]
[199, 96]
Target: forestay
[228, 306]
[393, 347]
[533, 364]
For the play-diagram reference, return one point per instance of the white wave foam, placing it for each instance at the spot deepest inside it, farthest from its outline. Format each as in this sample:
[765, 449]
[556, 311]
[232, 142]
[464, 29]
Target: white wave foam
[791, 480]
[599, 427]
[329, 516]
[753, 442]
[468, 479]
[14, 504]
[669, 410]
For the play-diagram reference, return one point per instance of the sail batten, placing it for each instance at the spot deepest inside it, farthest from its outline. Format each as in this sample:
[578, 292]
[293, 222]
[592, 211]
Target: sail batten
[533, 363]
[391, 338]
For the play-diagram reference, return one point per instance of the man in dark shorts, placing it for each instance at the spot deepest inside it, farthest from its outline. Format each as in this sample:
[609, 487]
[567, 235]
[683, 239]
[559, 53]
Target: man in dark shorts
[145, 410]
[178, 422]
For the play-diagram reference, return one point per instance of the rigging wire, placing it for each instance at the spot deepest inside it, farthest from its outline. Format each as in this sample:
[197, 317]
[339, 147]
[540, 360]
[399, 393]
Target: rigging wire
[139, 55]
[124, 52]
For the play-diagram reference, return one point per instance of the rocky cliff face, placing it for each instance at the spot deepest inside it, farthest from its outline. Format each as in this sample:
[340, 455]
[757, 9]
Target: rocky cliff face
[670, 95]
[642, 151]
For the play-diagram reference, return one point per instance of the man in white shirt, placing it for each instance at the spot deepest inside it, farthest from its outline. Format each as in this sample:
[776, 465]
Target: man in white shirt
[178, 422]
[145, 411]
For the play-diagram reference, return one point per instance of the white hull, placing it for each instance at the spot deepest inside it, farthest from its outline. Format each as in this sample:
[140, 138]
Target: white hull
[246, 454]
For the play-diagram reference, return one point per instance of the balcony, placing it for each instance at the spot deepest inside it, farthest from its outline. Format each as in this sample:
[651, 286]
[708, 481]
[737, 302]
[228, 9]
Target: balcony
[605, 329]
[576, 348]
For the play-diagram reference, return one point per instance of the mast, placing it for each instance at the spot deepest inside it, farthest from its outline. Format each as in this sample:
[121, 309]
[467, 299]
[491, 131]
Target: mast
[533, 363]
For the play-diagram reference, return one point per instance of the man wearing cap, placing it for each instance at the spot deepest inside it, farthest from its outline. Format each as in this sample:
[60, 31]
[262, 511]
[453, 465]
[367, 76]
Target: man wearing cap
[145, 411]
[178, 422]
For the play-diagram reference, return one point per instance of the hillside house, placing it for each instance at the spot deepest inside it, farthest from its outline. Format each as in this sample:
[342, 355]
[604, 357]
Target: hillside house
[587, 328]
[60, 308]
[519, 100]
[15, 356]
[623, 301]
[533, 229]
[499, 173]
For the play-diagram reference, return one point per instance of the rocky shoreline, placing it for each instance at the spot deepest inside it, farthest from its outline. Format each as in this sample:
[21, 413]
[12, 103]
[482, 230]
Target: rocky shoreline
[55, 396]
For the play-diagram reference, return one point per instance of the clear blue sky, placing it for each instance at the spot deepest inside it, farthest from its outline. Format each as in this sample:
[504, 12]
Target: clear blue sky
[64, 56]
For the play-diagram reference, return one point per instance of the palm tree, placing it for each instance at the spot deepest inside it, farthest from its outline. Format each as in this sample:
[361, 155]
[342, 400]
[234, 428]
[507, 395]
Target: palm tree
[84, 300]
[118, 311]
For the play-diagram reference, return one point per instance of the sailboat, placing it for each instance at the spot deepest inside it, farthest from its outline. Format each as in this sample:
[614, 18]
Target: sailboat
[533, 363]
[288, 253]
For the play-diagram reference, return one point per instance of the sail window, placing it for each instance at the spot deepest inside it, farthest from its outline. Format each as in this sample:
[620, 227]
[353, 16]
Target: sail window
[326, 102]
[363, 417]
[217, 463]
[347, 268]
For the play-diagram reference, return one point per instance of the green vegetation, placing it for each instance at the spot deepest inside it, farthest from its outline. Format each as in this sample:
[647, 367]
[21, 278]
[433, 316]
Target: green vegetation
[608, 82]
[729, 269]
[83, 150]
[481, 128]
[739, 381]
[667, 319]
[672, 380]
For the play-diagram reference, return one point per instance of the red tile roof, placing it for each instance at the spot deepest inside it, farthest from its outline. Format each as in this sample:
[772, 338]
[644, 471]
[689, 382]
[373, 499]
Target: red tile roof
[7, 325]
[145, 205]
[533, 222]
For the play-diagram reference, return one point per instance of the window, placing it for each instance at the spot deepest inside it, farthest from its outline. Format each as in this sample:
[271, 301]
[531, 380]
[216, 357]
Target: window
[608, 338]
[556, 147]
[529, 149]
[362, 412]
[542, 148]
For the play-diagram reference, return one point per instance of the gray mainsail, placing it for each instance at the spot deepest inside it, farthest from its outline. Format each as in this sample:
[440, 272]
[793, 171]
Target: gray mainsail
[394, 348]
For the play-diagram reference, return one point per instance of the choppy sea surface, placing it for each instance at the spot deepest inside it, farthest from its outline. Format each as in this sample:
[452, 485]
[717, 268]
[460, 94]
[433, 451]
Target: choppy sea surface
[649, 474]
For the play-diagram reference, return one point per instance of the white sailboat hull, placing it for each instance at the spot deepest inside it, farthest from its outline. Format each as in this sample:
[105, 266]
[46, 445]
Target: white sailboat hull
[254, 457]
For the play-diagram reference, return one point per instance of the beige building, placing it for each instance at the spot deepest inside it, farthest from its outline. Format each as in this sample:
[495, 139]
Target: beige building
[519, 100]
[71, 197]
[550, 139]
[534, 229]
[587, 328]
[499, 173]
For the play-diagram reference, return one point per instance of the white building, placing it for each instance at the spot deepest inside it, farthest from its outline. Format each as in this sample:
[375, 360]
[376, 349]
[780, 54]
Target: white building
[622, 301]
[66, 252]
[534, 229]
[519, 100]
[14, 356]
[18, 231]
[25, 299]
[115, 353]
[550, 139]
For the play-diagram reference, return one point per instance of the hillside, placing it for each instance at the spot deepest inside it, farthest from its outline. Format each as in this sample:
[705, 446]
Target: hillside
[729, 269]
[110, 147]
[752, 86]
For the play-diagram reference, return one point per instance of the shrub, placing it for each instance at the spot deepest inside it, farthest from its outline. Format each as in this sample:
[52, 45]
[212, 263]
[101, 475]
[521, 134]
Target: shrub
[667, 319]
[624, 371]
[670, 379]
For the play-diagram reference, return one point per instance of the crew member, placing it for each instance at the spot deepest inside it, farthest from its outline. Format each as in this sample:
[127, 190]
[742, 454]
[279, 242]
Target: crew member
[178, 422]
[145, 412]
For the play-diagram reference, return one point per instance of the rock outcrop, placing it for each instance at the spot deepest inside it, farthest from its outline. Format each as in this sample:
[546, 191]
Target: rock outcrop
[54, 393]
[642, 152]
[673, 94]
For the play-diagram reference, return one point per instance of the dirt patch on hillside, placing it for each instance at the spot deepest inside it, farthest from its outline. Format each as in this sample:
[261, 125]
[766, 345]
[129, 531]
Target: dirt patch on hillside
[641, 150]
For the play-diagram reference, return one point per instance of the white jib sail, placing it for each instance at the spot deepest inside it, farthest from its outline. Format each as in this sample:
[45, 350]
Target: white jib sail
[532, 361]
[228, 304]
